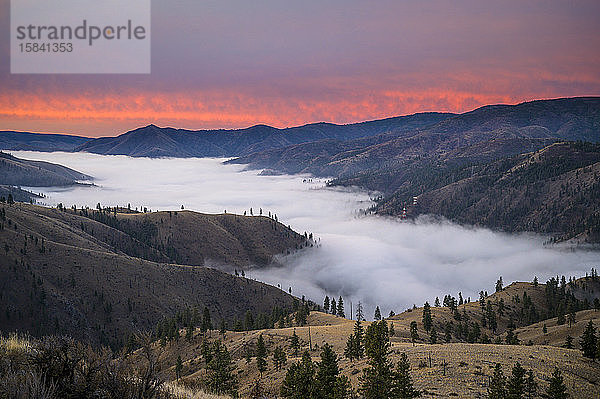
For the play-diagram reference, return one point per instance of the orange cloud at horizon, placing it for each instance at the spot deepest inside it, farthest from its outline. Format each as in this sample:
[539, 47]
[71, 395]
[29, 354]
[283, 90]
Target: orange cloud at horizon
[101, 114]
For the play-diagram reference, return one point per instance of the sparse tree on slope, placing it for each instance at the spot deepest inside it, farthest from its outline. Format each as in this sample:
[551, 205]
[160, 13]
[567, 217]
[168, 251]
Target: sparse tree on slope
[326, 304]
[299, 382]
[402, 386]
[295, 343]
[433, 336]
[329, 384]
[427, 318]
[354, 345]
[376, 381]
[206, 321]
[499, 284]
[557, 388]
[279, 358]
[515, 387]
[414, 332]
[588, 341]
[178, 368]
[359, 312]
[333, 307]
[531, 386]
[497, 389]
[261, 355]
[340, 308]
[221, 378]
[377, 314]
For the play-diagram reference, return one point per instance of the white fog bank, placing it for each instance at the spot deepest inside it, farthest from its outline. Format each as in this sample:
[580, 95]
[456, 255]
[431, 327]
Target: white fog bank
[379, 261]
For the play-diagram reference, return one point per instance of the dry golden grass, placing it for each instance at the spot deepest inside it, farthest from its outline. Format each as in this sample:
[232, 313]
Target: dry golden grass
[15, 342]
[182, 392]
[468, 367]
[557, 334]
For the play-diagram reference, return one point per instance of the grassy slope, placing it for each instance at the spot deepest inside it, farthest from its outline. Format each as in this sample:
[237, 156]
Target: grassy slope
[225, 240]
[20, 172]
[468, 366]
[82, 285]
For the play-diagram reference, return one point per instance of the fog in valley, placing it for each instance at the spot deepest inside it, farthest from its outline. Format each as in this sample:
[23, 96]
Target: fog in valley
[376, 260]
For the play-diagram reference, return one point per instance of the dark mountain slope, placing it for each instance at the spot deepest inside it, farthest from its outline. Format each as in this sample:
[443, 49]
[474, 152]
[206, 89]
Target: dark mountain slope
[62, 274]
[225, 241]
[152, 141]
[24, 141]
[555, 190]
[524, 127]
[21, 172]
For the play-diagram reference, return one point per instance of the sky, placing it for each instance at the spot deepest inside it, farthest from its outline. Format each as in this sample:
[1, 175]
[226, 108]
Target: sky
[230, 64]
[375, 260]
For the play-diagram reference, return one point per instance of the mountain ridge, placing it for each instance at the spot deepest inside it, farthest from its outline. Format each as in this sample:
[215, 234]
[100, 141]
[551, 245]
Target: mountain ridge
[66, 273]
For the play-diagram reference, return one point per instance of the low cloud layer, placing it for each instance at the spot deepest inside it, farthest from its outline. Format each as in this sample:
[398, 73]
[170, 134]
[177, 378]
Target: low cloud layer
[376, 260]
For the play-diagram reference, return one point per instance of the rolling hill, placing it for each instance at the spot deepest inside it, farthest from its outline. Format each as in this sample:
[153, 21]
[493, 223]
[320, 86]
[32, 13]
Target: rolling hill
[496, 130]
[153, 141]
[65, 273]
[555, 191]
[25, 141]
[225, 241]
[459, 367]
[466, 167]
[21, 172]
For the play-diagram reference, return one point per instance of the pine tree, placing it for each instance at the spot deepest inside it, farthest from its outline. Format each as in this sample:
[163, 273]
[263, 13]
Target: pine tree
[560, 320]
[279, 358]
[349, 352]
[557, 388]
[220, 371]
[497, 388]
[588, 341]
[427, 319]
[516, 383]
[261, 355]
[328, 383]
[433, 336]
[531, 386]
[223, 327]
[206, 351]
[333, 307]
[448, 332]
[414, 333]
[299, 381]
[376, 381]
[392, 331]
[178, 367]
[437, 302]
[206, 322]
[189, 332]
[248, 354]
[359, 312]
[377, 313]
[572, 318]
[535, 281]
[499, 284]
[402, 386]
[249, 321]
[354, 345]
[295, 343]
[569, 342]
[340, 307]
[326, 304]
